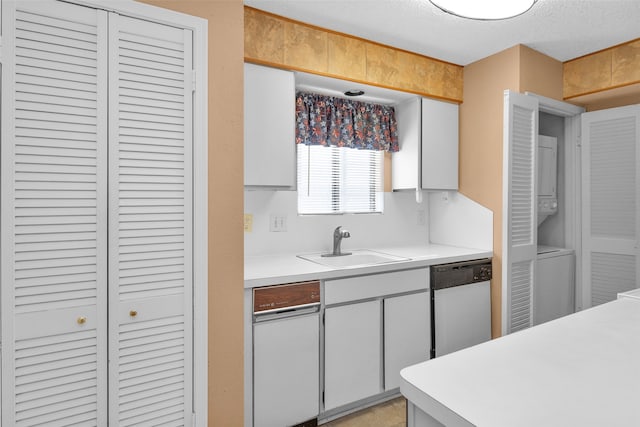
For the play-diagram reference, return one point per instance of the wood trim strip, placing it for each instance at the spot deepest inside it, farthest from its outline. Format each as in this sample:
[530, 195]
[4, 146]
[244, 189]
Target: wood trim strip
[603, 70]
[600, 51]
[578, 95]
[288, 44]
[328, 31]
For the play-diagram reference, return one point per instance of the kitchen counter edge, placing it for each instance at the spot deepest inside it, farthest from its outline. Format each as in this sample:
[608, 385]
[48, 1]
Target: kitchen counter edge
[267, 270]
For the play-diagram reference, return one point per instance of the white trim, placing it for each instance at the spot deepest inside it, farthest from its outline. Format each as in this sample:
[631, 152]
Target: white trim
[555, 107]
[134, 9]
[200, 223]
[112, 193]
[102, 200]
[573, 199]
[7, 154]
[573, 180]
[504, 292]
[506, 118]
[248, 357]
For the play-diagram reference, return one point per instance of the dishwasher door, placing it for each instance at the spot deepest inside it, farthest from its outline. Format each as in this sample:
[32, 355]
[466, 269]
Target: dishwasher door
[286, 386]
[462, 317]
[460, 305]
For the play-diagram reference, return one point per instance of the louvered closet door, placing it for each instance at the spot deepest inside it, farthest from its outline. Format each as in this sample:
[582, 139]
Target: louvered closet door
[54, 228]
[150, 232]
[520, 214]
[611, 215]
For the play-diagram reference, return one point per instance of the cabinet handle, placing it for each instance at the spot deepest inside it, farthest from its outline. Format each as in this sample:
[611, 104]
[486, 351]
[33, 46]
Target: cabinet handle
[133, 313]
[82, 320]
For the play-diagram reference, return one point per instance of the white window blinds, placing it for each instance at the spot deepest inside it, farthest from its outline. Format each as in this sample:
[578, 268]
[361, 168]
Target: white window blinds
[335, 180]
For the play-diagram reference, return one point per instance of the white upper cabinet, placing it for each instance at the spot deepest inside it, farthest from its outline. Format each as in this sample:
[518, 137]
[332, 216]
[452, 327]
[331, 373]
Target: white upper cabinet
[405, 171]
[439, 145]
[269, 127]
[428, 156]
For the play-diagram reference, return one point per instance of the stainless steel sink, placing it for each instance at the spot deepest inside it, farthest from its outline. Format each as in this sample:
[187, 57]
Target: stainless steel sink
[357, 258]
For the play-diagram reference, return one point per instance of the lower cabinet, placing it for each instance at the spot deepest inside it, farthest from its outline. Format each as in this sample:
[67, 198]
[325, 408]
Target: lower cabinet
[374, 326]
[407, 335]
[352, 353]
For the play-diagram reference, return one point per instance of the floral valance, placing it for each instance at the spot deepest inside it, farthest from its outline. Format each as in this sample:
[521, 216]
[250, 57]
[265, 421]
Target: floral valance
[331, 121]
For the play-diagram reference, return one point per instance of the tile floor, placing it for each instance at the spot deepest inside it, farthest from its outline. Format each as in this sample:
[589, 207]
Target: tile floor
[388, 414]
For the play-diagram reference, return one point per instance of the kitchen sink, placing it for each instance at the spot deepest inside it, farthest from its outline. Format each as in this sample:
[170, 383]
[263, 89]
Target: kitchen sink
[357, 258]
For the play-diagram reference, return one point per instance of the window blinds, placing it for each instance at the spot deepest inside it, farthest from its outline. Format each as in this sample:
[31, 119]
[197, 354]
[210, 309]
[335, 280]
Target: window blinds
[336, 180]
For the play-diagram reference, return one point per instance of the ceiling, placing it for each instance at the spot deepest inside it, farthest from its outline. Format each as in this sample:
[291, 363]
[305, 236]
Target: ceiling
[561, 29]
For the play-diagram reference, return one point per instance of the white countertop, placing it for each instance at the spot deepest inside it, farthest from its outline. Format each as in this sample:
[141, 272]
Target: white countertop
[630, 294]
[286, 268]
[579, 370]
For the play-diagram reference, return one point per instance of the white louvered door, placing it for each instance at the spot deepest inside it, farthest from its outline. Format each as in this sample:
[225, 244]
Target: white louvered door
[96, 245]
[610, 198]
[150, 221]
[520, 231]
[54, 227]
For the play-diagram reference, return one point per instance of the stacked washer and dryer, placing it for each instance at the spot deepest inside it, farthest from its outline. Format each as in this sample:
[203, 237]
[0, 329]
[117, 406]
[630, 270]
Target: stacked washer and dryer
[554, 290]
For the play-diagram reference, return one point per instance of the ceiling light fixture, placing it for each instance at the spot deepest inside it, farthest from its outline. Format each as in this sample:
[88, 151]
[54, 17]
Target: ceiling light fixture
[487, 10]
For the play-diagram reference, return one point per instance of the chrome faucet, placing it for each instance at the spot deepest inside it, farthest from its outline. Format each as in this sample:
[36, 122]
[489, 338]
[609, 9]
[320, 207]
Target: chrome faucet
[338, 235]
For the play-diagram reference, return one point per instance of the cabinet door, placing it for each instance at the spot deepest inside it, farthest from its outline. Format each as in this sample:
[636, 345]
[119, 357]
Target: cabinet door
[150, 223]
[54, 229]
[554, 290]
[352, 358]
[407, 334]
[439, 145]
[610, 203]
[269, 127]
[405, 164]
[520, 227]
[286, 357]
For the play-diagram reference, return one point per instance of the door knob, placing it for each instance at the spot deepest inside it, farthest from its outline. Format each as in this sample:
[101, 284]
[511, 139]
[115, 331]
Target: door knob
[82, 320]
[133, 313]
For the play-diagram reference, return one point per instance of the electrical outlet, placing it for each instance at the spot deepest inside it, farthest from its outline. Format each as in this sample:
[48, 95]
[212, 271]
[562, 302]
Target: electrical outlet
[278, 222]
[248, 223]
[422, 217]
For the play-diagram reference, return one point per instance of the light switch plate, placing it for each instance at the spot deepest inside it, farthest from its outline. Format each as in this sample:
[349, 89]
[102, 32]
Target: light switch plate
[277, 222]
[248, 223]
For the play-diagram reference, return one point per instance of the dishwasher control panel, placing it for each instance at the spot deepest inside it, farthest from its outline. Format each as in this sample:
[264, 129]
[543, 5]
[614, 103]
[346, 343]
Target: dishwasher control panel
[288, 296]
[460, 273]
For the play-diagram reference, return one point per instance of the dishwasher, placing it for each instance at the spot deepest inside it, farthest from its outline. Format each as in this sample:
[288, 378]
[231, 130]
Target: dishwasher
[286, 354]
[460, 305]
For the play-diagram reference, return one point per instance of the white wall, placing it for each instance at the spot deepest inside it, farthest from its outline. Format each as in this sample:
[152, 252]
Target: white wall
[397, 226]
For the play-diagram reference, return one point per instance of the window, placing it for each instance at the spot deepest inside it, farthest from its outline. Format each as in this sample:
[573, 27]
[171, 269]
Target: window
[341, 145]
[335, 180]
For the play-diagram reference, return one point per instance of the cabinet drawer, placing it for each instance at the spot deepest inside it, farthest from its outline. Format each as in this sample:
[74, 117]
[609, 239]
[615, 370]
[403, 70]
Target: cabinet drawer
[375, 285]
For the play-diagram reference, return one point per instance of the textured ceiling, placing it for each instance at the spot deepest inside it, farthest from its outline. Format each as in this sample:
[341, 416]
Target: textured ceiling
[562, 29]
